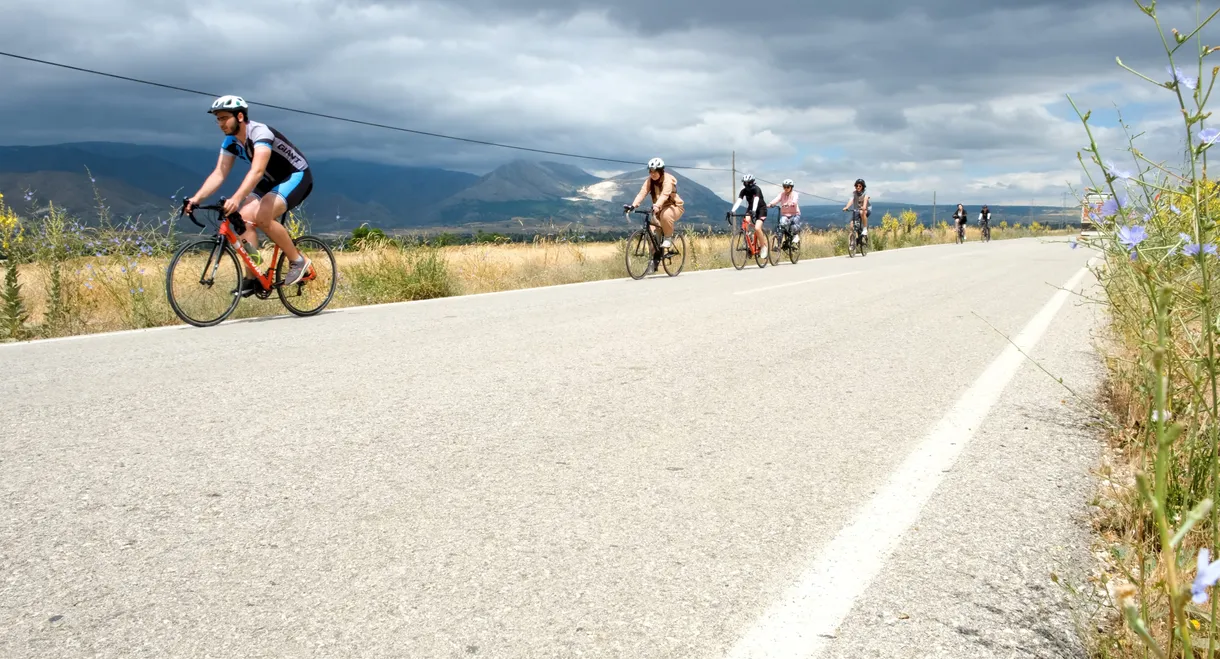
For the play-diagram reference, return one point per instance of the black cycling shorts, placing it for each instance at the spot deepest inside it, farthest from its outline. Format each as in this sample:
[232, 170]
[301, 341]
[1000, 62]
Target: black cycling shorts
[293, 189]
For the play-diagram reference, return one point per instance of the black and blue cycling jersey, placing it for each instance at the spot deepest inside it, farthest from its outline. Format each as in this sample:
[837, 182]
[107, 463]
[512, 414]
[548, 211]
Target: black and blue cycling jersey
[287, 172]
[286, 159]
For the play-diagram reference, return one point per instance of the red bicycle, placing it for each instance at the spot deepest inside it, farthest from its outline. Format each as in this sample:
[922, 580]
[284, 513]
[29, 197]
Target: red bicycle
[204, 282]
[743, 245]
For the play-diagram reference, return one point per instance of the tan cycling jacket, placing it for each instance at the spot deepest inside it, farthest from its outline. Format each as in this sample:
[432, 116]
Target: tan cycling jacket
[669, 193]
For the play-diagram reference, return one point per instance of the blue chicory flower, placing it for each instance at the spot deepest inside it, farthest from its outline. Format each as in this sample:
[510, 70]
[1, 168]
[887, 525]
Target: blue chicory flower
[1132, 236]
[1209, 135]
[1116, 172]
[1186, 81]
[1112, 205]
[1206, 575]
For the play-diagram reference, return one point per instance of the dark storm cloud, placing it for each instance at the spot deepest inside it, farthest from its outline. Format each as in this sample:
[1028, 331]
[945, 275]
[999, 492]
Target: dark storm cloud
[908, 92]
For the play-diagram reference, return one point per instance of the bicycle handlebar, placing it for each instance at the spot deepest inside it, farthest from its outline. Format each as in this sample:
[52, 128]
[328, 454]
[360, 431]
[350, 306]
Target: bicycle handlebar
[219, 207]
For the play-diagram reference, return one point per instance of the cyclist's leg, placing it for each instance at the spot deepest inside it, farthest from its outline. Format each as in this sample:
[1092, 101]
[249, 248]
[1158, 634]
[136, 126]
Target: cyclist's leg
[271, 206]
[276, 202]
[668, 218]
[758, 237]
[864, 220]
[248, 212]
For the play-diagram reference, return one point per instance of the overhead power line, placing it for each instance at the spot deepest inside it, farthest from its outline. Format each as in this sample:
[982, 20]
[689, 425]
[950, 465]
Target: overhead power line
[379, 125]
[356, 121]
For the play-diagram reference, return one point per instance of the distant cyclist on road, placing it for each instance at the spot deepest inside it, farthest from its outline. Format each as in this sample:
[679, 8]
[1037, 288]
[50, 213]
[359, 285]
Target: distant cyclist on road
[278, 181]
[789, 210]
[984, 217]
[861, 203]
[667, 206]
[756, 209]
[959, 218]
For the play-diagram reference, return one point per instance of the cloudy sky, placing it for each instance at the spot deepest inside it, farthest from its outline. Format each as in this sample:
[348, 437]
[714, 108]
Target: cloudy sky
[964, 97]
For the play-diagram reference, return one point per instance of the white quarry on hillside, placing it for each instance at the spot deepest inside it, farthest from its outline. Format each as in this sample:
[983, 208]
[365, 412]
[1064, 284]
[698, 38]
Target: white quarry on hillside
[604, 191]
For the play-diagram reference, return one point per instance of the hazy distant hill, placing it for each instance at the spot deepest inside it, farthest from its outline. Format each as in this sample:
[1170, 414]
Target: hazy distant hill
[137, 179]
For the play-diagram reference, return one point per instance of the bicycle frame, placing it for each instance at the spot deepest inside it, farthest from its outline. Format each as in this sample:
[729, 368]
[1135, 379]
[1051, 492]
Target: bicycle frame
[229, 230]
[747, 228]
[648, 222]
[857, 224]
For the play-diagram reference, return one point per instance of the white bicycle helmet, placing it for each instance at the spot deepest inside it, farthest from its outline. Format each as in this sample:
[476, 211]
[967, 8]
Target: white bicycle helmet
[747, 179]
[788, 183]
[655, 164]
[229, 103]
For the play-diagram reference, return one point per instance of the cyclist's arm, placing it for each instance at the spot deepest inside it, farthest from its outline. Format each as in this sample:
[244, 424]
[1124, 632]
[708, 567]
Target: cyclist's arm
[736, 205]
[774, 202]
[258, 165]
[639, 199]
[224, 165]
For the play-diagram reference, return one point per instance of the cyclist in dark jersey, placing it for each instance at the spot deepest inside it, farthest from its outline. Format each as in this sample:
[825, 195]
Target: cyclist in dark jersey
[278, 181]
[756, 208]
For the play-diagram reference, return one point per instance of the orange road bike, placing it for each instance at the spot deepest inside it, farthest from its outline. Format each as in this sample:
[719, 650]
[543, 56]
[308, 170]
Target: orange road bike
[743, 245]
[204, 281]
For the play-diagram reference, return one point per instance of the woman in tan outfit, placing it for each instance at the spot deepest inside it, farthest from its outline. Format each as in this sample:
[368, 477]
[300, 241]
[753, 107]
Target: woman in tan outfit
[667, 206]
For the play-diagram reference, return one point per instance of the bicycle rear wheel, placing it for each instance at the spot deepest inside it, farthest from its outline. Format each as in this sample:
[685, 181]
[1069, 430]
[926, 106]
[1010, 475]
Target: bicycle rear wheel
[862, 244]
[737, 250]
[637, 253]
[675, 258]
[310, 295]
[203, 282]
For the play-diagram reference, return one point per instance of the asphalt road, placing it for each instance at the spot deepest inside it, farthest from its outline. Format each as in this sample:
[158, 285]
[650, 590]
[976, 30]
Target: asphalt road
[614, 469]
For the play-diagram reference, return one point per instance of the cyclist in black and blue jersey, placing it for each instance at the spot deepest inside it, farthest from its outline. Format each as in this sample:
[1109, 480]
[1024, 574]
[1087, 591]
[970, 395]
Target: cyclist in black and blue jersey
[278, 181]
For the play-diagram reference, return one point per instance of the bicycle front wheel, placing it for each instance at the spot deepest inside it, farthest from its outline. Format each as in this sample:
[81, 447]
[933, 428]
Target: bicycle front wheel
[794, 250]
[758, 256]
[774, 251]
[675, 258]
[203, 282]
[638, 253]
[310, 295]
[737, 250]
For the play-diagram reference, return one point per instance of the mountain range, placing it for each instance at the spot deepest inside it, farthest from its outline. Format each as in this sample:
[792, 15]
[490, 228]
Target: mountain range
[518, 196]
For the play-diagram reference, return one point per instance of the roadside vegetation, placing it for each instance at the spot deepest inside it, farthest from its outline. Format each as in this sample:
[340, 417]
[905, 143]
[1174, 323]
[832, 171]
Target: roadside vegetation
[1156, 521]
[62, 276]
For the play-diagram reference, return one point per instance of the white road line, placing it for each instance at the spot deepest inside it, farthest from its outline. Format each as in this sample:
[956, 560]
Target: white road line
[808, 615]
[795, 283]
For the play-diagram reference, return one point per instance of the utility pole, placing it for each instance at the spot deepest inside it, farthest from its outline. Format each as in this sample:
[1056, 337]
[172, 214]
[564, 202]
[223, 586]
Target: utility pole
[933, 208]
[733, 184]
